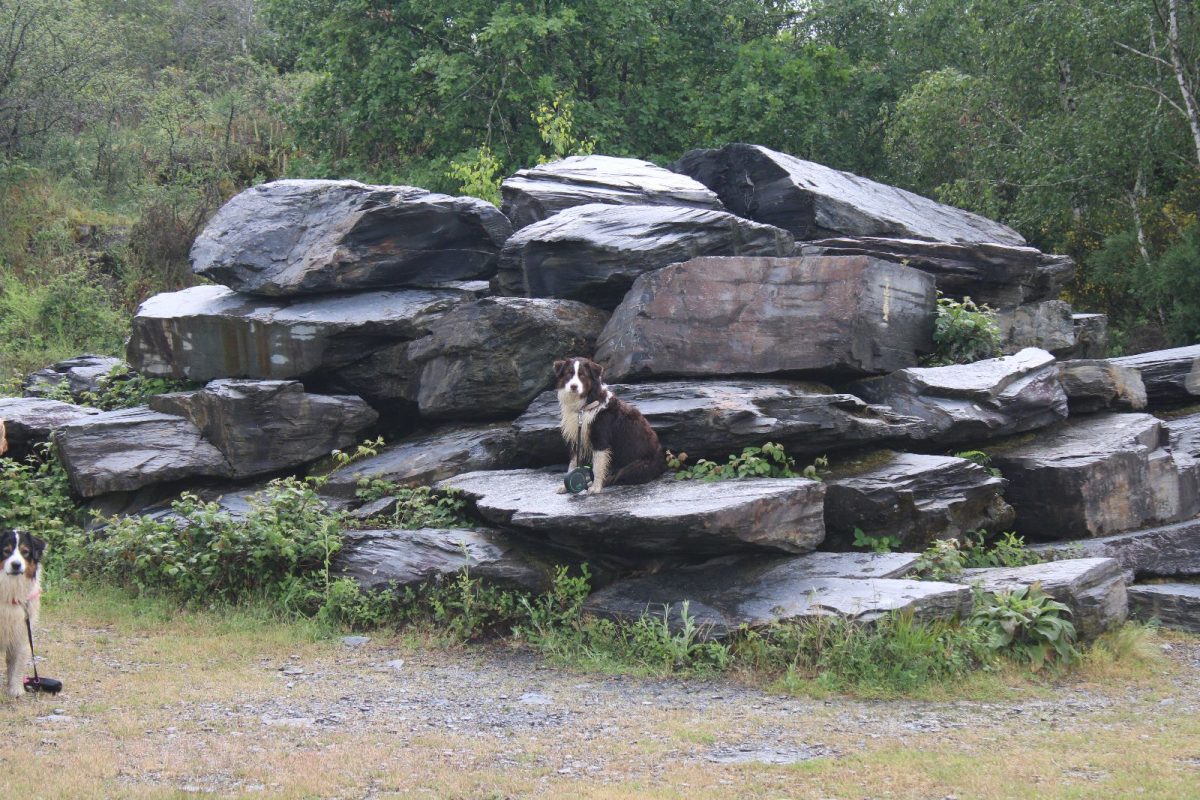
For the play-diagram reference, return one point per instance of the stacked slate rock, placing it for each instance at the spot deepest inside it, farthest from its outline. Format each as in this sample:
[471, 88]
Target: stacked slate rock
[741, 297]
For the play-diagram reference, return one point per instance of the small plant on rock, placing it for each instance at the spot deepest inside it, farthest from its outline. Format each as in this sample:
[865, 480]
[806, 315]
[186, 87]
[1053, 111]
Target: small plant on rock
[1026, 624]
[768, 461]
[881, 543]
[964, 332]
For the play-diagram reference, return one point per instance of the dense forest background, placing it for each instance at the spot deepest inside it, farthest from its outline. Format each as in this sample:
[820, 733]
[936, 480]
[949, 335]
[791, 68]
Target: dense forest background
[125, 123]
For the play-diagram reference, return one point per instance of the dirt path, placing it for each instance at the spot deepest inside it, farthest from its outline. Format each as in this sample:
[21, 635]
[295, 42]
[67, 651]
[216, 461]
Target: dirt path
[178, 708]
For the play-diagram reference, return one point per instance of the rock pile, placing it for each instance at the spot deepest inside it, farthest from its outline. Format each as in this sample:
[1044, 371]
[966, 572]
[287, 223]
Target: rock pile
[743, 296]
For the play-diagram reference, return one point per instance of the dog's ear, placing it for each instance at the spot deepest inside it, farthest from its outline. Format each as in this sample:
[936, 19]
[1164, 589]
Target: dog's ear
[36, 547]
[560, 366]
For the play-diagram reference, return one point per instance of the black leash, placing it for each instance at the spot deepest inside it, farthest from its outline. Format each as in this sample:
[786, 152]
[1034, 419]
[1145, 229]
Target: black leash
[32, 657]
[37, 684]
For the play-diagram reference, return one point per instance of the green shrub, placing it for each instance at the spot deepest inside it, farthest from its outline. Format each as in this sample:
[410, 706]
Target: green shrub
[121, 389]
[946, 559]
[768, 461]
[1027, 625]
[880, 543]
[963, 333]
[35, 496]
[417, 506]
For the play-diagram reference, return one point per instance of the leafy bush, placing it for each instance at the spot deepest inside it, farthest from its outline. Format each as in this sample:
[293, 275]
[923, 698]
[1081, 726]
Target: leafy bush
[768, 461]
[279, 551]
[121, 389]
[417, 506]
[963, 333]
[881, 543]
[35, 496]
[946, 559]
[1026, 624]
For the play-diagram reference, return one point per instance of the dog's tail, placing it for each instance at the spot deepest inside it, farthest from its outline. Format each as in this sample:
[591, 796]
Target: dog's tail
[643, 470]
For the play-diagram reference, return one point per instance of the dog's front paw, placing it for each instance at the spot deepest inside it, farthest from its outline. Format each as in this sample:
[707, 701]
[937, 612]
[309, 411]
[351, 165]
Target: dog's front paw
[561, 490]
[15, 690]
[593, 489]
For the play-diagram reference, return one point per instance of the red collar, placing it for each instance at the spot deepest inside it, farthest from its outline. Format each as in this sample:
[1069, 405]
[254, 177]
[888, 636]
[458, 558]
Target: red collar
[36, 594]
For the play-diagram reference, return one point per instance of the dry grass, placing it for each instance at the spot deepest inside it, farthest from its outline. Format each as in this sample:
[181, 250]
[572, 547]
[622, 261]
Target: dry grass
[160, 704]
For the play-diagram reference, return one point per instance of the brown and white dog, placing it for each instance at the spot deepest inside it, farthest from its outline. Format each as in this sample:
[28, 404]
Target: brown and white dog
[597, 426]
[20, 590]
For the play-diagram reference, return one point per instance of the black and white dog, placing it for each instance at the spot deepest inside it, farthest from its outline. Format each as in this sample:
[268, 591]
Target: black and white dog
[596, 425]
[20, 590]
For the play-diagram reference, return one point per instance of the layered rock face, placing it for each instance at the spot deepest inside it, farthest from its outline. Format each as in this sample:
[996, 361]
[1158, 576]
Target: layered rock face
[79, 376]
[532, 195]
[722, 316]
[297, 237]
[1172, 377]
[816, 202]
[29, 421]
[593, 253]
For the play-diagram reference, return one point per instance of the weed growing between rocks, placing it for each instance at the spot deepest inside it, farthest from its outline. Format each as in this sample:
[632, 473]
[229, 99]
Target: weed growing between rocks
[963, 332]
[767, 461]
[945, 559]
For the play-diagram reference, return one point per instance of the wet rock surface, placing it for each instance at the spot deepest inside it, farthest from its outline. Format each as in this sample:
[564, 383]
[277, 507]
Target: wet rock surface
[730, 316]
[426, 457]
[914, 498]
[1174, 605]
[87, 373]
[1167, 551]
[1101, 385]
[996, 274]
[1091, 337]
[295, 237]
[816, 202]
[1095, 476]
[723, 595]
[390, 559]
[1172, 377]
[711, 419]
[1047, 325]
[666, 516]
[265, 426]
[531, 195]
[489, 359]
[211, 332]
[1093, 588]
[132, 448]
[968, 403]
[593, 253]
[29, 421]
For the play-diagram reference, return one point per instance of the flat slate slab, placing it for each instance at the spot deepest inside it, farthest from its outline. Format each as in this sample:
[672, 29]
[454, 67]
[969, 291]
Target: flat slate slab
[666, 516]
[532, 195]
[1172, 377]
[726, 594]
[1097, 475]
[816, 202]
[392, 559]
[916, 498]
[1093, 588]
[81, 374]
[593, 253]
[969, 403]
[422, 458]
[211, 332]
[128, 449]
[849, 315]
[266, 426]
[30, 420]
[295, 237]
[996, 274]
[712, 419]
[1175, 605]
[1168, 551]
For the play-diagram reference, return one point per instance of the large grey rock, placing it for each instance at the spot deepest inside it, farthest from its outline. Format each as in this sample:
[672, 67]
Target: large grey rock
[1101, 385]
[816, 202]
[1095, 476]
[1046, 324]
[78, 376]
[1174, 605]
[423, 458]
[211, 332]
[29, 421]
[726, 594]
[294, 237]
[1172, 377]
[1091, 337]
[390, 559]
[1093, 588]
[131, 448]
[490, 358]
[711, 419]
[593, 253]
[996, 274]
[917, 498]
[726, 316]
[967, 403]
[266, 426]
[532, 195]
[665, 516]
[1168, 551]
